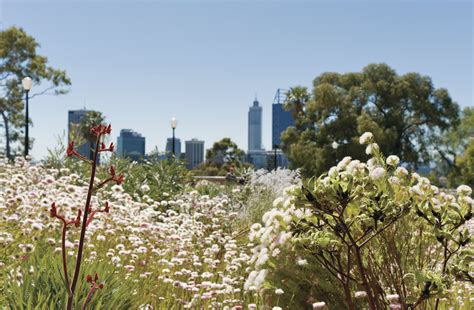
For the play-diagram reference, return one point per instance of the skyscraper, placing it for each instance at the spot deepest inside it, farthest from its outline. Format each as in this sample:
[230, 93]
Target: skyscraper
[281, 119]
[194, 153]
[255, 127]
[74, 119]
[131, 144]
[177, 146]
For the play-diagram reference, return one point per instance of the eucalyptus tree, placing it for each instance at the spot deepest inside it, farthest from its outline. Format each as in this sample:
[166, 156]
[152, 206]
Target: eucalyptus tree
[402, 111]
[19, 59]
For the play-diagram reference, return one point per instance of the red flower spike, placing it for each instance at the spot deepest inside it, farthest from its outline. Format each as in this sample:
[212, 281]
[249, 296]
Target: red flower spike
[112, 171]
[77, 222]
[70, 149]
[120, 179]
[111, 147]
[101, 286]
[89, 278]
[96, 277]
[102, 146]
[106, 209]
[108, 130]
[53, 211]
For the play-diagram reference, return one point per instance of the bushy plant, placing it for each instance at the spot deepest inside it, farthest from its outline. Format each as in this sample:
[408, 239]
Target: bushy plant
[387, 237]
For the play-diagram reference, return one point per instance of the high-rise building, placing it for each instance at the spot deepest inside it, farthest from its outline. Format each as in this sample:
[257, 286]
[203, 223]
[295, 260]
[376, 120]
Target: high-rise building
[281, 119]
[194, 153]
[177, 146]
[131, 144]
[255, 127]
[74, 119]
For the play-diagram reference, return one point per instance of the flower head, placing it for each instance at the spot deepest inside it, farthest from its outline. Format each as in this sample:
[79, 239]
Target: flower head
[464, 190]
[366, 137]
[393, 160]
[377, 173]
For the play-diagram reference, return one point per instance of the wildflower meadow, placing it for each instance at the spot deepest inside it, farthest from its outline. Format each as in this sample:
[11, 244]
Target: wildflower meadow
[363, 235]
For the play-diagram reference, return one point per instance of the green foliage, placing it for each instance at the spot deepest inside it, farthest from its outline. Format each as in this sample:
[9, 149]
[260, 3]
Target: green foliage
[19, 59]
[376, 229]
[155, 179]
[452, 151]
[223, 156]
[466, 164]
[402, 111]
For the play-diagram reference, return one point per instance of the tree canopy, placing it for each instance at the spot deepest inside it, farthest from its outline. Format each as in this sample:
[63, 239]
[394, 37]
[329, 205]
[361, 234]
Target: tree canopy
[454, 150]
[223, 154]
[402, 111]
[19, 59]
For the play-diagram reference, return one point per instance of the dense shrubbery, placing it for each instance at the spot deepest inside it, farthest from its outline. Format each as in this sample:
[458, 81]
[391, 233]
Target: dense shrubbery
[386, 237]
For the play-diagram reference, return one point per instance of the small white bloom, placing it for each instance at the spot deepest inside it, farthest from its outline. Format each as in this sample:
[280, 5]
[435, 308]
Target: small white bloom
[464, 190]
[319, 305]
[377, 174]
[372, 148]
[392, 297]
[279, 291]
[394, 180]
[401, 172]
[360, 294]
[393, 160]
[366, 137]
[333, 172]
[302, 262]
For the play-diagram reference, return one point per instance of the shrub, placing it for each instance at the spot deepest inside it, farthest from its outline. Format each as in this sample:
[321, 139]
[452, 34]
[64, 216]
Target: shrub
[391, 236]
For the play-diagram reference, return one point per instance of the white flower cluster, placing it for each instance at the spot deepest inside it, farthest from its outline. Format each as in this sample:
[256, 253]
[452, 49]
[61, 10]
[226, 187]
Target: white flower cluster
[272, 237]
[275, 180]
[188, 249]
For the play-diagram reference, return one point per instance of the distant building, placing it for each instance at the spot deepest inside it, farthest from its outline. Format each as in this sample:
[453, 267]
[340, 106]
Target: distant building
[257, 158]
[177, 146]
[281, 119]
[194, 153]
[131, 144]
[255, 127]
[74, 118]
[276, 156]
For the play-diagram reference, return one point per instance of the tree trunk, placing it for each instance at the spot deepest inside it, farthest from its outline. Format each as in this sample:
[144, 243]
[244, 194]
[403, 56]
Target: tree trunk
[7, 135]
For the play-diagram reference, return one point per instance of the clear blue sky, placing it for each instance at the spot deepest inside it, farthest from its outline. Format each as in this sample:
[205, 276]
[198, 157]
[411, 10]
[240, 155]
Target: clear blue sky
[142, 62]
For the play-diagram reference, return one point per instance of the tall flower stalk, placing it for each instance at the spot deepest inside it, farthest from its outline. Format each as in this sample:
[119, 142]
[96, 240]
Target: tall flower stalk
[87, 213]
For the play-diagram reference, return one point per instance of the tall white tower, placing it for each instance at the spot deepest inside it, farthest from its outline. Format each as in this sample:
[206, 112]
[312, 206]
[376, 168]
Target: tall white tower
[255, 127]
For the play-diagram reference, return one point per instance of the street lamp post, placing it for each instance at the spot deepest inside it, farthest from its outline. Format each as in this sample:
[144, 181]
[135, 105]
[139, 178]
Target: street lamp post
[335, 145]
[174, 124]
[275, 147]
[27, 83]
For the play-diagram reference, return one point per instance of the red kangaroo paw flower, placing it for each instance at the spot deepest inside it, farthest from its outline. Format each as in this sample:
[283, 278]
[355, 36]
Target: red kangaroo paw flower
[77, 222]
[111, 147]
[70, 149]
[108, 130]
[112, 171]
[106, 209]
[89, 278]
[120, 179]
[53, 211]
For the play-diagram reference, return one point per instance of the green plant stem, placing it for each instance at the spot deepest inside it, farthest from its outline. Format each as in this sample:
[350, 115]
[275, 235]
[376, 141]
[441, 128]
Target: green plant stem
[63, 250]
[84, 225]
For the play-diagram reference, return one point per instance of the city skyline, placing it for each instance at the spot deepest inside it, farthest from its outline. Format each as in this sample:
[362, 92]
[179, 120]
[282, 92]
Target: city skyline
[204, 62]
